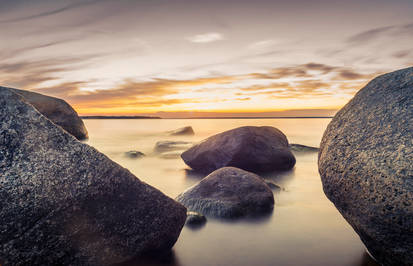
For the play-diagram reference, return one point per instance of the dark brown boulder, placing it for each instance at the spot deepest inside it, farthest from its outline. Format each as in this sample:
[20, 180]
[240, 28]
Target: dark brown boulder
[229, 192]
[64, 203]
[255, 149]
[58, 111]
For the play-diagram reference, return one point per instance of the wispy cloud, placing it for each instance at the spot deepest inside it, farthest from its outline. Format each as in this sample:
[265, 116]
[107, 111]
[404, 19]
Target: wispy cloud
[51, 12]
[372, 34]
[30, 74]
[369, 35]
[262, 45]
[206, 37]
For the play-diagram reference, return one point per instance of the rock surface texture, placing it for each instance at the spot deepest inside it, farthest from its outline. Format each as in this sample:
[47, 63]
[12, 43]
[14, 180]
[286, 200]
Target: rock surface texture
[255, 149]
[365, 163]
[57, 110]
[64, 203]
[229, 192]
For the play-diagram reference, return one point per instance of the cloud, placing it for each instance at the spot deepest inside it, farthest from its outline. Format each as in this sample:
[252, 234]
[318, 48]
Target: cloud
[11, 53]
[402, 53]
[319, 67]
[369, 35]
[347, 74]
[262, 45]
[51, 12]
[372, 34]
[206, 38]
[304, 81]
[129, 92]
[30, 74]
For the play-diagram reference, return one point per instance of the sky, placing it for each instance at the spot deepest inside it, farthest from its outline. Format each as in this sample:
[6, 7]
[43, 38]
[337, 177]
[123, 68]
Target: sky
[189, 58]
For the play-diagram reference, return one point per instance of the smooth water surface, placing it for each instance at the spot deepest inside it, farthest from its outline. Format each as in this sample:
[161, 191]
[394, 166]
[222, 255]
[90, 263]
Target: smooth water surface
[304, 228]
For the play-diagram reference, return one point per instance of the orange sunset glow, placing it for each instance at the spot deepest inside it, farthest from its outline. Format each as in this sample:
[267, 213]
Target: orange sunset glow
[184, 58]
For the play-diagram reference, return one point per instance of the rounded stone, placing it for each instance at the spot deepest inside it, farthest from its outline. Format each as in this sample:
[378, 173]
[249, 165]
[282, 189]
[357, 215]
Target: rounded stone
[229, 192]
[57, 110]
[255, 149]
[365, 163]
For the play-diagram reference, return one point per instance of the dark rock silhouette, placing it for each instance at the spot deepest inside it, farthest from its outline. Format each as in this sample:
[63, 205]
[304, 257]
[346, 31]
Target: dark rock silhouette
[134, 154]
[365, 163]
[58, 111]
[64, 203]
[255, 149]
[229, 192]
[195, 219]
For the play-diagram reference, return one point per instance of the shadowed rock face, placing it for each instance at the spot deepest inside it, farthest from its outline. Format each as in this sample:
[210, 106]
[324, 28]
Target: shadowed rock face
[365, 163]
[255, 149]
[64, 203]
[229, 192]
[58, 111]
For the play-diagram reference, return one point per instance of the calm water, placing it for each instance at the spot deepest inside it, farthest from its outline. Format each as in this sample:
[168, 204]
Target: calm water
[304, 228]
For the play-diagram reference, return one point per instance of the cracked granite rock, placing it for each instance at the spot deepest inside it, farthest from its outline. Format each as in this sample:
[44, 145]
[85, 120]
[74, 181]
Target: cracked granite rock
[64, 203]
[366, 166]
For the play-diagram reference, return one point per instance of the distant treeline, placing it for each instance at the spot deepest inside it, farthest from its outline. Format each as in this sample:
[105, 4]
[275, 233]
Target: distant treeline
[118, 117]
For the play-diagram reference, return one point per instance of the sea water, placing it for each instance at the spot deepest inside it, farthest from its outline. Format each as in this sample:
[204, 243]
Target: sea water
[304, 228]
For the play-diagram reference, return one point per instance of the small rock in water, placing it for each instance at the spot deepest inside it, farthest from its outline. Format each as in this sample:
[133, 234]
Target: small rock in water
[134, 154]
[195, 219]
[229, 192]
[302, 148]
[170, 155]
[272, 185]
[182, 131]
[167, 146]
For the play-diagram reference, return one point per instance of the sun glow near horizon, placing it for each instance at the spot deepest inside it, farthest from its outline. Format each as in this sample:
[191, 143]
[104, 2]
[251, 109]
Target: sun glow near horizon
[117, 58]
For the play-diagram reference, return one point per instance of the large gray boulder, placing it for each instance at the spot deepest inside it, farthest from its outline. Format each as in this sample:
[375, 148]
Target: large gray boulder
[255, 149]
[229, 192]
[366, 166]
[64, 203]
[57, 110]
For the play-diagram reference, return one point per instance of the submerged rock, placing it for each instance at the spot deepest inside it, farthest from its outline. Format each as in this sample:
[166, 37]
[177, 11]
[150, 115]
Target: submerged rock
[182, 131]
[365, 163]
[170, 155]
[302, 148]
[57, 110]
[64, 203]
[229, 192]
[255, 149]
[272, 185]
[134, 154]
[168, 146]
[195, 219]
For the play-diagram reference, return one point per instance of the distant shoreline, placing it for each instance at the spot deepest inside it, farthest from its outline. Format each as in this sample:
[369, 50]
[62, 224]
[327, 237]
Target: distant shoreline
[225, 117]
[118, 117]
[257, 117]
